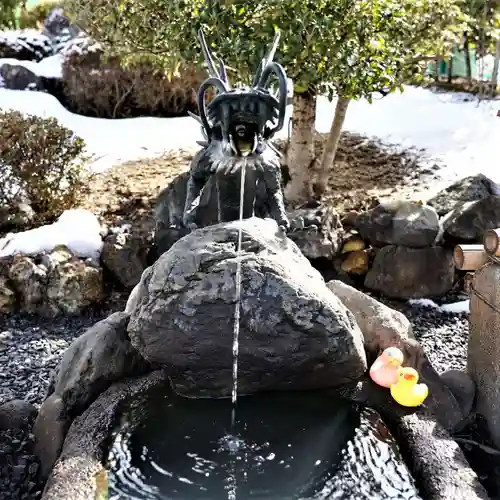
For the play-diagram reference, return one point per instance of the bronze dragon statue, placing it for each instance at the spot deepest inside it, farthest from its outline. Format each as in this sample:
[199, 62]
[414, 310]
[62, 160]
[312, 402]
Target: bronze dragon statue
[237, 125]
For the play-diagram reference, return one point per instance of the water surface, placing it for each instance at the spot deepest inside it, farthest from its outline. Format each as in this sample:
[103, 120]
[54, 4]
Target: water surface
[285, 446]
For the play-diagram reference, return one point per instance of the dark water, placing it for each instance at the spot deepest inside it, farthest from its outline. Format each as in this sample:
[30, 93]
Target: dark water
[285, 446]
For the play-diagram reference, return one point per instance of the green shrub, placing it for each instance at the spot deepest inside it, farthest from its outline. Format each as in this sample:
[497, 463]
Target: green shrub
[35, 16]
[8, 13]
[111, 90]
[41, 162]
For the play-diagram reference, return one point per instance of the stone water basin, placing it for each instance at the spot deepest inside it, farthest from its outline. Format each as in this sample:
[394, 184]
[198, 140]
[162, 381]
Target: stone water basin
[283, 446]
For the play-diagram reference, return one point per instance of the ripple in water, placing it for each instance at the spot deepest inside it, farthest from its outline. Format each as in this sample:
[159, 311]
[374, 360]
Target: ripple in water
[283, 447]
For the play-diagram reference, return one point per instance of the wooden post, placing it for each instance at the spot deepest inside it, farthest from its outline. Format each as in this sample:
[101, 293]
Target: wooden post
[491, 242]
[483, 352]
[469, 257]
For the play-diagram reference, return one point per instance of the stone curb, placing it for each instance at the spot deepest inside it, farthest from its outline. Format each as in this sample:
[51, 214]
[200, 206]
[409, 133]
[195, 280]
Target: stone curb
[434, 458]
[79, 470]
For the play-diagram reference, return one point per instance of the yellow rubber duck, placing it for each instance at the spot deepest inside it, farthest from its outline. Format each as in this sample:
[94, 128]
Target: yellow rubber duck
[406, 391]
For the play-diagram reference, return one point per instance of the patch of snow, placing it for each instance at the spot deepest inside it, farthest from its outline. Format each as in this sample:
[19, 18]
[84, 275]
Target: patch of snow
[459, 134]
[457, 307]
[50, 67]
[423, 303]
[462, 135]
[78, 230]
[110, 142]
[453, 308]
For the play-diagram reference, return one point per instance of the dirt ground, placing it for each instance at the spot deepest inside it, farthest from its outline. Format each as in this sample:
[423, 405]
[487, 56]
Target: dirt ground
[127, 193]
[365, 172]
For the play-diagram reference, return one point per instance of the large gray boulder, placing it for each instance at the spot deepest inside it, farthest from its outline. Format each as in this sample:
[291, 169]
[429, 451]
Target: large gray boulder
[473, 188]
[404, 223]
[294, 332]
[17, 77]
[382, 326]
[96, 359]
[326, 241]
[412, 273]
[469, 222]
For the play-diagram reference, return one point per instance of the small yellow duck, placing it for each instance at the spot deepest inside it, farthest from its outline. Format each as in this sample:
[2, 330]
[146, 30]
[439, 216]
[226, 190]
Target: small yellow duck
[384, 370]
[406, 391]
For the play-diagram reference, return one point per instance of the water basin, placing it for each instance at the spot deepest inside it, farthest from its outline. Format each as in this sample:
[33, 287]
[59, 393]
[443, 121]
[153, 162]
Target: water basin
[285, 446]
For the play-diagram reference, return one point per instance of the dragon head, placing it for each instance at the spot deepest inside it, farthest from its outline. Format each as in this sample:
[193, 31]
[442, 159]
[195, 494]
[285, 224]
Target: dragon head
[243, 118]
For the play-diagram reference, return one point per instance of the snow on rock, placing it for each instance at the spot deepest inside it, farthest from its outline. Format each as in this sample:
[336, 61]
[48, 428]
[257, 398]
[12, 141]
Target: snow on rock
[50, 67]
[78, 230]
[26, 44]
[29, 35]
[80, 46]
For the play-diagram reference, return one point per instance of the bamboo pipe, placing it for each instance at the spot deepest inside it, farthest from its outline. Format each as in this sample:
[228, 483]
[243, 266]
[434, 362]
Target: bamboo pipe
[491, 242]
[469, 257]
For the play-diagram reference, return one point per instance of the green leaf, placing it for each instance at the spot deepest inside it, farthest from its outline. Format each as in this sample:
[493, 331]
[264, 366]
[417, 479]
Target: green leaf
[353, 46]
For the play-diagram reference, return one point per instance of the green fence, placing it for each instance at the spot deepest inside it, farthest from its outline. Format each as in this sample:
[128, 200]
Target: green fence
[458, 66]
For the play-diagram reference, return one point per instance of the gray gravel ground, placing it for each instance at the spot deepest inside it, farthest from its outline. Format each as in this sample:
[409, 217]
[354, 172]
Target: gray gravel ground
[443, 335]
[31, 348]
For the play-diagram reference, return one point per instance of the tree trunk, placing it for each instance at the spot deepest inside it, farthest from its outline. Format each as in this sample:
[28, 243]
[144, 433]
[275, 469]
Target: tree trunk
[332, 143]
[468, 67]
[450, 70]
[436, 72]
[300, 157]
[496, 66]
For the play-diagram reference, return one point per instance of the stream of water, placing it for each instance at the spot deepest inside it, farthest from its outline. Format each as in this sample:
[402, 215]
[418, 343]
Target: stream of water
[237, 306]
[232, 442]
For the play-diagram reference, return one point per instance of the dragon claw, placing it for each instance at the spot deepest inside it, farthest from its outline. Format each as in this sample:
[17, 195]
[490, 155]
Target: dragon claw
[283, 225]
